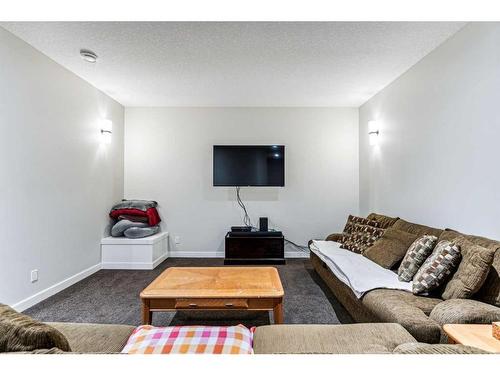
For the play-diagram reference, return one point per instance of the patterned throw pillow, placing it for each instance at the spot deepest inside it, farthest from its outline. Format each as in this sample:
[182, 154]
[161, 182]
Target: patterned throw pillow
[416, 255]
[361, 238]
[190, 340]
[353, 220]
[437, 267]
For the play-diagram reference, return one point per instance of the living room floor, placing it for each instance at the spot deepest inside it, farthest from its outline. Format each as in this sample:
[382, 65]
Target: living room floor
[112, 296]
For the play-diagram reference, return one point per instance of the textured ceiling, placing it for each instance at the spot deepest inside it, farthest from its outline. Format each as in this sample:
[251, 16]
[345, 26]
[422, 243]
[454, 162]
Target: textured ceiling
[238, 63]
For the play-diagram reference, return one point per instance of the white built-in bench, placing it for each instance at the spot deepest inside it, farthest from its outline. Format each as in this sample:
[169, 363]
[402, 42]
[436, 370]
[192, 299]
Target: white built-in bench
[134, 253]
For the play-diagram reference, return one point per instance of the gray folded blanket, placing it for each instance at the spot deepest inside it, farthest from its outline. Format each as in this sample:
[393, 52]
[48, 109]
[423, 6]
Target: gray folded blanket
[120, 227]
[135, 204]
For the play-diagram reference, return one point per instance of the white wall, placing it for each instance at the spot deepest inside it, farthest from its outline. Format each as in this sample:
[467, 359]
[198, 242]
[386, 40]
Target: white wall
[437, 161]
[57, 181]
[168, 158]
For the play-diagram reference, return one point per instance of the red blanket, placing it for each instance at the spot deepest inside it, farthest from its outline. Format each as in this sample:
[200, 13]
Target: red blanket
[150, 213]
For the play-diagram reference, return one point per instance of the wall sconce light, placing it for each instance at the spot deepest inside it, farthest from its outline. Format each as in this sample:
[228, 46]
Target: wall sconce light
[373, 132]
[106, 131]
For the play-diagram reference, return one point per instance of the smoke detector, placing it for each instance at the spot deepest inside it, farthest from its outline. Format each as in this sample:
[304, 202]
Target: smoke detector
[88, 55]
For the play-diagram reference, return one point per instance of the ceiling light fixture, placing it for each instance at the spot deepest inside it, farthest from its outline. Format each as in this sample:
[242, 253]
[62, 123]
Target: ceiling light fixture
[88, 55]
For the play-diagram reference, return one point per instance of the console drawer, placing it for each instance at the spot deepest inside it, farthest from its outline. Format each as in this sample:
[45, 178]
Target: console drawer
[211, 303]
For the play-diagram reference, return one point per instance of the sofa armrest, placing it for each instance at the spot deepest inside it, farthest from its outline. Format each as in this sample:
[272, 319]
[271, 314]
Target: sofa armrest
[336, 237]
[464, 311]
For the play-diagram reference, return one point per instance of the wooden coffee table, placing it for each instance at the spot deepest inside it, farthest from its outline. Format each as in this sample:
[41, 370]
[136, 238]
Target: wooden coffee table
[477, 335]
[214, 288]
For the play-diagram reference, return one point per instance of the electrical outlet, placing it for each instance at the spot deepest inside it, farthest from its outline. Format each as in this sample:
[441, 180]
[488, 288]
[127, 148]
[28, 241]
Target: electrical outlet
[177, 240]
[34, 276]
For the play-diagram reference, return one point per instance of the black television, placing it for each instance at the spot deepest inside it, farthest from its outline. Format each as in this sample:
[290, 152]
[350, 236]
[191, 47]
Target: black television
[249, 165]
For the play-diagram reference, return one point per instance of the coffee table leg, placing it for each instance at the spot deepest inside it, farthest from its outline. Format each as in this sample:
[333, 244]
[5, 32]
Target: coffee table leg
[278, 313]
[147, 315]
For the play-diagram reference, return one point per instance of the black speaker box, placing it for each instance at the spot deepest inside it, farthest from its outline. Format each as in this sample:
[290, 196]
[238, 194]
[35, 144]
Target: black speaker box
[263, 224]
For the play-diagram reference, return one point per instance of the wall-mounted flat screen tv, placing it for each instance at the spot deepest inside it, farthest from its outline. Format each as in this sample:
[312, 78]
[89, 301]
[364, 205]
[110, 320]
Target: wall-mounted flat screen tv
[249, 165]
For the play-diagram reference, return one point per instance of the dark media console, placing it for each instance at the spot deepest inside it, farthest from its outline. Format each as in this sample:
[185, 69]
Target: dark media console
[254, 248]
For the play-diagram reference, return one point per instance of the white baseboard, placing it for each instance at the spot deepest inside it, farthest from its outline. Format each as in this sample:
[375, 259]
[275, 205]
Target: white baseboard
[214, 254]
[56, 288]
[133, 265]
[195, 254]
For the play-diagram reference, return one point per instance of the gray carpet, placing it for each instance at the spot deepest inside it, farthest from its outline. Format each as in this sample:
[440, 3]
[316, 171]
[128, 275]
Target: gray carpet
[112, 296]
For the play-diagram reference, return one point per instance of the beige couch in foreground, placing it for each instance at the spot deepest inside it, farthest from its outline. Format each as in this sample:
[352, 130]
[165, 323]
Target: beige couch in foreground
[22, 334]
[371, 338]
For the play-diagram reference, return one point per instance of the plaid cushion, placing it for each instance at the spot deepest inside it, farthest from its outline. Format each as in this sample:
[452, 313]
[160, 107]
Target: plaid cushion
[190, 340]
[361, 238]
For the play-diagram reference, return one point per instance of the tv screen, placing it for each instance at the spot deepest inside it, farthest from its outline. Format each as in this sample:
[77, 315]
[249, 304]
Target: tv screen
[249, 165]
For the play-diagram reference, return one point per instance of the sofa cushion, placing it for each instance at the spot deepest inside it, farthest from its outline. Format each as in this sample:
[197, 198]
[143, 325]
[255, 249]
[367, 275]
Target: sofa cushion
[421, 348]
[361, 238]
[424, 303]
[389, 249]
[384, 221]
[329, 339]
[400, 307]
[417, 229]
[19, 332]
[437, 267]
[95, 338]
[416, 255]
[472, 270]
[490, 291]
[465, 311]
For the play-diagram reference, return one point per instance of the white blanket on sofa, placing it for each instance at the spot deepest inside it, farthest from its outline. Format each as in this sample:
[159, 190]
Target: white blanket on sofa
[356, 271]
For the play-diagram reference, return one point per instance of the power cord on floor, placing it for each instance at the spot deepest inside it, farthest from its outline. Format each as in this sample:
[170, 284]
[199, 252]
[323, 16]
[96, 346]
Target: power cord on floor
[304, 249]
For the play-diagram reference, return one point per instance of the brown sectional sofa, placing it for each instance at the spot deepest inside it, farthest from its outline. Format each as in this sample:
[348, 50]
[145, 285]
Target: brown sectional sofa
[422, 316]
